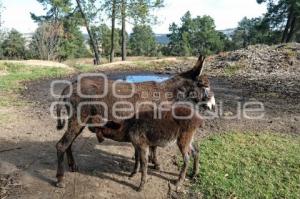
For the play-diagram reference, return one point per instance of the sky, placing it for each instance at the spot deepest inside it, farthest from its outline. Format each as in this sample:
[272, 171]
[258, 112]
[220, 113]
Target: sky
[226, 13]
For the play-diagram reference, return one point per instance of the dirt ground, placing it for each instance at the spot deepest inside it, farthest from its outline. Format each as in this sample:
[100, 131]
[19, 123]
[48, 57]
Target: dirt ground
[28, 155]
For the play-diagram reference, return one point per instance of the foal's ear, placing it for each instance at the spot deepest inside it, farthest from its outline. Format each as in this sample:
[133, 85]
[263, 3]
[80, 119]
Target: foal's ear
[113, 125]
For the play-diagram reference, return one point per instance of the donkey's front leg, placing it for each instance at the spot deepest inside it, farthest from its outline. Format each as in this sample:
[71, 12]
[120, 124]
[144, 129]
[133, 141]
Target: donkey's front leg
[184, 147]
[195, 154]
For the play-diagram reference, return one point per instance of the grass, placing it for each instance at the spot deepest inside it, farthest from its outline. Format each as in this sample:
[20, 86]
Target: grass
[84, 68]
[15, 74]
[232, 70]
[248, 166]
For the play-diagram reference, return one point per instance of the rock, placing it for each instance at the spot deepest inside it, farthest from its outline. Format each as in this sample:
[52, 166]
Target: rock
[262, 68]
[228, 113]
[262, 58]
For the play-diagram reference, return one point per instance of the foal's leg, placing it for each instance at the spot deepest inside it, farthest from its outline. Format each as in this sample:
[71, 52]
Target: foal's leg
[74, 129]
[100, 136]
[153, 157]
[136, 163]
[144, 162]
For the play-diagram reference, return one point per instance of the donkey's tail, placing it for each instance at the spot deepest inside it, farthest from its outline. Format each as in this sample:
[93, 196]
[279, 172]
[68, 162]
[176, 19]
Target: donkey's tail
[60, 121]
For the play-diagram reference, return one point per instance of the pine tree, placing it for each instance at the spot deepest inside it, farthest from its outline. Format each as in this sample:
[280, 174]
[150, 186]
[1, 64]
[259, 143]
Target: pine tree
[283, 13]
[195, 36]
[140, 12]
[142, 41]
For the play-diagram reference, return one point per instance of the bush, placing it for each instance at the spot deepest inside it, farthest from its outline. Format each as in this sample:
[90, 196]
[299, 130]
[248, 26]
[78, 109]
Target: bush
[13, 46]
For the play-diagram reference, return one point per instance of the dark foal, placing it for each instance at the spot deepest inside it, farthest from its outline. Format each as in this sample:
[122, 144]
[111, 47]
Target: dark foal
[177, 125]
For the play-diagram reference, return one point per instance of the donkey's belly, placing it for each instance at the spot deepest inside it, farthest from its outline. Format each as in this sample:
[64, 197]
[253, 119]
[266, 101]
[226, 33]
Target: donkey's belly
[164, 143]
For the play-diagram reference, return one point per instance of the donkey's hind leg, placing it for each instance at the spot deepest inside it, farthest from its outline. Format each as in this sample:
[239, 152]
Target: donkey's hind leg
[71, 161]
[74, 129]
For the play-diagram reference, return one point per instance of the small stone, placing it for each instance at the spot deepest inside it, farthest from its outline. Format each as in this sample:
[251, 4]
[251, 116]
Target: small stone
[228, 113]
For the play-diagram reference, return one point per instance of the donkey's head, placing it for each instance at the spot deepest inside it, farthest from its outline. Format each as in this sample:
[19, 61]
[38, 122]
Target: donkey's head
[195, 87]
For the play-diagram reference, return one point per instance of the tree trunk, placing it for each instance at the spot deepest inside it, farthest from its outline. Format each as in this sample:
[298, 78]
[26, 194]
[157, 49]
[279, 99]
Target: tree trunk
[287, 26]
[93, 41]
[123, 13]
[291, 32]
[113, 19]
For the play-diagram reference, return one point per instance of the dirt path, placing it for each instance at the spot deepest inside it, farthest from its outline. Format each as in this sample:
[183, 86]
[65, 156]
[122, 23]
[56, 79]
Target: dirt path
[28, 155]
[28, 158]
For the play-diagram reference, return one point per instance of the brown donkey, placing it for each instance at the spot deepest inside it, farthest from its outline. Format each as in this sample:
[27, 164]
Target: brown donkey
[186, 86]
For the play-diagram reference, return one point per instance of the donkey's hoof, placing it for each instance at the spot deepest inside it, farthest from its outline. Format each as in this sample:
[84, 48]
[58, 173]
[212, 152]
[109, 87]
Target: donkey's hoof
[157, 167]
[60, 184]
[100, 137]
[178, 186]
[132, 174]
[194, 177]
[140, 188]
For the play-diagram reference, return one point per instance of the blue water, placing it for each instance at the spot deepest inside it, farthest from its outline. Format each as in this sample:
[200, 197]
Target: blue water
[135, 78]
[145, 78]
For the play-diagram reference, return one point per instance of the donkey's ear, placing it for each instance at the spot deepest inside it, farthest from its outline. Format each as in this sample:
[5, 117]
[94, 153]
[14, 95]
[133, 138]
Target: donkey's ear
[199, 66]
[196, 71]
[112, 125]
